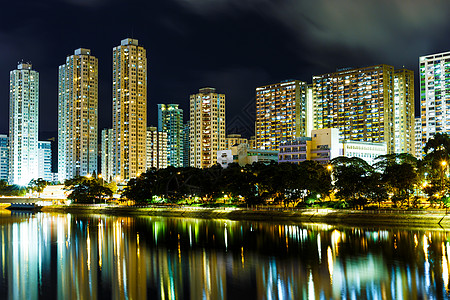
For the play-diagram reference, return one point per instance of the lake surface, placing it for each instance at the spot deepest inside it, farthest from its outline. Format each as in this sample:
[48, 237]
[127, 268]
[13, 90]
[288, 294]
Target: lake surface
[59, 256]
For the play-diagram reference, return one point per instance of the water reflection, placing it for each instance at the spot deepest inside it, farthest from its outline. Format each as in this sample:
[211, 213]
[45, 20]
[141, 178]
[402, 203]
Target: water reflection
[67, 257]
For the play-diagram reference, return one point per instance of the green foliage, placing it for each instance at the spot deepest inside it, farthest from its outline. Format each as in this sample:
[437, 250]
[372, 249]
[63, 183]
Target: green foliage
[87, 190]
[37, 185]
[11, 190]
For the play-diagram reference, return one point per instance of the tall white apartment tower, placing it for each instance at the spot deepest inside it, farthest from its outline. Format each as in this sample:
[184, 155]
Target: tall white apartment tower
[207, 127]
[78, 115]
[129, 109]
[23, 124]
[434, 72]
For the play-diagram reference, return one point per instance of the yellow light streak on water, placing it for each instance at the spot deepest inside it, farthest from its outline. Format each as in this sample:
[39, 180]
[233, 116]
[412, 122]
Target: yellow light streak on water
[330, 263]
[444, 267]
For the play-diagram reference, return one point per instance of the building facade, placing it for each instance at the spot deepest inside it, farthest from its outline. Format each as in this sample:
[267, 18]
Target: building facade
[4, 157]
[170, 120]
[156, 148]
[434, 72]
[78, 115]
[107, 155]
[324, 145]
[45, 160]
[23, 124]
[358, 102]
[129, 109]
[234, 139]
[207, 127]
[281, 113]
[243, 155]
[404, 121]
[186, 145]
[418, 137]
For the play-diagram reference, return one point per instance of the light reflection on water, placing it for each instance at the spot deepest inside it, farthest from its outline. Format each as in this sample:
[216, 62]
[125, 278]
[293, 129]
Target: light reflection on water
[56, 256]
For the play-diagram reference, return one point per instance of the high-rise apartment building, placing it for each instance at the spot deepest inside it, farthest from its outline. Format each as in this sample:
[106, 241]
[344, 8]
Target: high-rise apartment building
[207, 127]
[434, 72]
[280, 113]
[170, 120]
[129, 109]
[45, 160]
[418, 137]
[156, 148]
[107, 156]
[404, 111]
[78, 115]
[4, 157]
[359, 102]
[23, 124]
[186, 145]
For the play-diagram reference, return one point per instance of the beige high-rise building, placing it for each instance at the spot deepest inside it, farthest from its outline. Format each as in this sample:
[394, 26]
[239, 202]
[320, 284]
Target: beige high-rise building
[404, 121]
[129, 117]
[358, 102]
[207, 127]
[78, 115]
[157, 148]
[280, 113]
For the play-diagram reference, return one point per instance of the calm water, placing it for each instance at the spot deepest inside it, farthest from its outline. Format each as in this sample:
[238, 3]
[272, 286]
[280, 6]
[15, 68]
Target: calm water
[56, 256]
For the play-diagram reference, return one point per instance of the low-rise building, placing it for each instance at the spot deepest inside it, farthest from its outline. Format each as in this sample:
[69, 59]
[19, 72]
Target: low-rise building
[324, 145]
[244, 155]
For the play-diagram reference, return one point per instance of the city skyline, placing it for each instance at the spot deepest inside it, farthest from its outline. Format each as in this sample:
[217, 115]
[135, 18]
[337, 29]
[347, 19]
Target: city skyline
[259, 45]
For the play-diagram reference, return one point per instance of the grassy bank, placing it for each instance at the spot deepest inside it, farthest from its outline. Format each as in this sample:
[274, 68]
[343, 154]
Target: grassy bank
[426, 219]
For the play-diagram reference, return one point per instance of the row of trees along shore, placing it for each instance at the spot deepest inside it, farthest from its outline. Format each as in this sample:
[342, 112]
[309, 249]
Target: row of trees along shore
[398, 179]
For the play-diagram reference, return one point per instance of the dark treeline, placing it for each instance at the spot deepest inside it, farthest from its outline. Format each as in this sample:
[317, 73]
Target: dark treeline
[344, 182]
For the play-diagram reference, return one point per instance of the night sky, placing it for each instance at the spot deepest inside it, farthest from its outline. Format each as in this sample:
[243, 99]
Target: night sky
[233, 45]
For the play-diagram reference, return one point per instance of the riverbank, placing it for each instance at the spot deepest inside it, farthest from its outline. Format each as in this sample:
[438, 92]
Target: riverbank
[422, 218]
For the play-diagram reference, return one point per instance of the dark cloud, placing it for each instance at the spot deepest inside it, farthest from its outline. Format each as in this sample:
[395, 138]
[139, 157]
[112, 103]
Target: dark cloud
[391, 31]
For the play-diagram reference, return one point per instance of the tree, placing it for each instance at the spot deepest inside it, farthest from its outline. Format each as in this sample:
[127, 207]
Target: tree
[436, 162]
[400, 178]
[87, 190]
[351, 176]
[37, 185]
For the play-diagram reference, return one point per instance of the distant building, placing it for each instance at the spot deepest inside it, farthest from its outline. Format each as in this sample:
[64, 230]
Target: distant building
[434, 72]
[23, 124]
[186, 145]
[324, 145]
[280, 113]
[418, 137]
[78, 115]
[404, 122]
[207, 127]
[170, 120]
[129, 120]
[360, 103]
[364, 150]
[234, 139]
[4, 157]
[107, 155]
[244, 155]
[45, 160]
[156, 148]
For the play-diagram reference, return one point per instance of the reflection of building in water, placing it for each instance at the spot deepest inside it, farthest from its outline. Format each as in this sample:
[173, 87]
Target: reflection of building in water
[156, 258]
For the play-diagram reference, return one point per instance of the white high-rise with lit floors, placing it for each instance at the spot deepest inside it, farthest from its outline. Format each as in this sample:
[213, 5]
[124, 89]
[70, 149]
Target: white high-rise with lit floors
[434, 72]
[78, 115]
[23, 124]
[129, 110]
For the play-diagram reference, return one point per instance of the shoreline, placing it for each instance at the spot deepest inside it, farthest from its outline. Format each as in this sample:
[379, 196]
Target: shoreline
[394, 218]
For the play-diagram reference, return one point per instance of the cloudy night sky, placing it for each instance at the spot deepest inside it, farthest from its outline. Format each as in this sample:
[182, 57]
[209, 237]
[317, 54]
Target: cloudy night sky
[233, 45]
